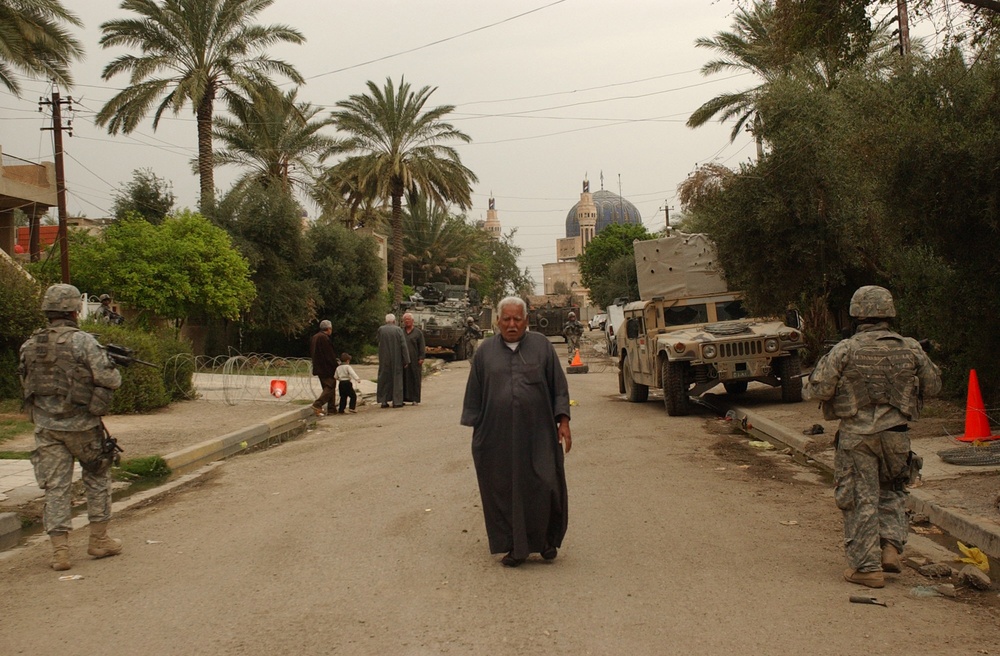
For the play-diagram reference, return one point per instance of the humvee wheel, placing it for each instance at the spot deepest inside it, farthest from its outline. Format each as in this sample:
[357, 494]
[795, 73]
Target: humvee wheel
[675, 388]
[737, 387]
[788, 369]
[634, 392]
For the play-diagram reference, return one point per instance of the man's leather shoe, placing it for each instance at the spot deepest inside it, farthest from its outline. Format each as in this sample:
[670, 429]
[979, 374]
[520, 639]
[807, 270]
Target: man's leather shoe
[868, 579]
[510, 561]
[550, 553]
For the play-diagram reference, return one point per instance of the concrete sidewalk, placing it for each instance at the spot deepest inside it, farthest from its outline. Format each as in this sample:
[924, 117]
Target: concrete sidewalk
[940, 496]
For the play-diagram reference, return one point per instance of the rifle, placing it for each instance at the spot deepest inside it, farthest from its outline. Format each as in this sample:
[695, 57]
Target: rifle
[124, 356]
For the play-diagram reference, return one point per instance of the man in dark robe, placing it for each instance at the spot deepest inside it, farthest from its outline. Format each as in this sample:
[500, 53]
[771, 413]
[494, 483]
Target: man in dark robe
[517, 402]
[324, 365]
[416, 346]
[393, 358]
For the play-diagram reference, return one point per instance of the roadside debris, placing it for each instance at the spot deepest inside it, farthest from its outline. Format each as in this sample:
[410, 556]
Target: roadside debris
[71, 577]
[862, 599]
[815, 429]
[762, 445]
[924, 591]
[935, 570]
[974, 556]
[947, 590]
[974, 577]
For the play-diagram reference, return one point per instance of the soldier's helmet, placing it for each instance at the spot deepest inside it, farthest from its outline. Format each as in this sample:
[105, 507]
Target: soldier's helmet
[61, 298]
[470, 320]
[872, 302]
[104, 297]
[572, 315]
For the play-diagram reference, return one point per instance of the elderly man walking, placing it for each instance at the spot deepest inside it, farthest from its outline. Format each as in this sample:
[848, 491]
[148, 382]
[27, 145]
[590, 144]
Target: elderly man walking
[517, 402]
[417, 347]
[324, 366]
[393, 358]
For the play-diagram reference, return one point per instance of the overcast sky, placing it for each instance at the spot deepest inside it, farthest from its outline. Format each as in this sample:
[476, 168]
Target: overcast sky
[550, 91]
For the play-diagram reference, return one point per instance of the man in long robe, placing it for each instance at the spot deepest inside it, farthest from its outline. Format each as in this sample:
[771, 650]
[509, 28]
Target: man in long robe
[393, 358]
[517, 401]
[416, 346]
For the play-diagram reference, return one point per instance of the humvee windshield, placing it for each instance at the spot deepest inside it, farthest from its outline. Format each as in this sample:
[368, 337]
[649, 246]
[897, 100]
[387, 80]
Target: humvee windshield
[685, 314]
[730, 310]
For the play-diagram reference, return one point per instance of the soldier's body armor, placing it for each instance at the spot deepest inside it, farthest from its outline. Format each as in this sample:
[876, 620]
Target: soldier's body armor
[881, 370]
[52, 370]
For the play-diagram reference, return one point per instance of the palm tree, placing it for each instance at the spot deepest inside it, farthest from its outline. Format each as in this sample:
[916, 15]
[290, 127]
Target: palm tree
[191, 52]
[34, 42]
[277, 139]
[751, 47]
[396, 147]
[437, 246]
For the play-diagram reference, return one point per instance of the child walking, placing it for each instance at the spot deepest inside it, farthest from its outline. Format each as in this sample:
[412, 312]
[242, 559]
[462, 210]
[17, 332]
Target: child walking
[347, 377]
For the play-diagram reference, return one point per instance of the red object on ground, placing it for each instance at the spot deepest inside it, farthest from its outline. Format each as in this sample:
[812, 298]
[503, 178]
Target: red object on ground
[577, 362]
[977, 424]
[278, 388]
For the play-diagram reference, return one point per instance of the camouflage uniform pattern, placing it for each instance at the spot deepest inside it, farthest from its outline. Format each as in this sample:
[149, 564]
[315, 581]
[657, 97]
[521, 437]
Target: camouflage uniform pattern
[53, 463]
[874, 396]
[65, 426]
[572, 330]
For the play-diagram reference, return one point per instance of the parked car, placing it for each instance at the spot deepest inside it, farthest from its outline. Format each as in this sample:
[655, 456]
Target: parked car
[598, 321]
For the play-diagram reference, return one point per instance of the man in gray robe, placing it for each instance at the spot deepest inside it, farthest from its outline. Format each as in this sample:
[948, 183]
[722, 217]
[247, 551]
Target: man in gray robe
[393, 357]
[417, 347]
[517, 402]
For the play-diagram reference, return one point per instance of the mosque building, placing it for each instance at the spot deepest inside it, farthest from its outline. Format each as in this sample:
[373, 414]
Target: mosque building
[584, 221]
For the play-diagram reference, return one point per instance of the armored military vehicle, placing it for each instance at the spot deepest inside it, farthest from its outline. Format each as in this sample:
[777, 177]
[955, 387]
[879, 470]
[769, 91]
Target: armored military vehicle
[691, 333]
[441, 310]
[548, 314]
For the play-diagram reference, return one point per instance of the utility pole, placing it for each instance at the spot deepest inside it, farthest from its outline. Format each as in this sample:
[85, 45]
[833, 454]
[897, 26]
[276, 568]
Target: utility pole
[57, 130]
[904, 28]
[666, 210]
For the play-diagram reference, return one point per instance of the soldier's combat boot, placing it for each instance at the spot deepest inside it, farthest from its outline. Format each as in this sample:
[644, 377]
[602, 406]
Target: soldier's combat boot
[890, 559]
[60, 551]
[101, 545]
[869, 579]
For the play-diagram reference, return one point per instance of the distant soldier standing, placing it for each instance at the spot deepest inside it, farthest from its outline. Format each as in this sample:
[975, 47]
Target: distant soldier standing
[572, 330]
[875, 383]
[68, 381]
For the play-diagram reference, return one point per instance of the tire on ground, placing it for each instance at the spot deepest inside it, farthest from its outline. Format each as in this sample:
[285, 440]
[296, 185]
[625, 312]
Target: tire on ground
[634, 392]
[675, 388]
[788, 369]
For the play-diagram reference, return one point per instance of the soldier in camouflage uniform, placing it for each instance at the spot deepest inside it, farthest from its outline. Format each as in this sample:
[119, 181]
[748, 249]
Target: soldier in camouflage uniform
[68, 381]
[874, 383]
[572, 331]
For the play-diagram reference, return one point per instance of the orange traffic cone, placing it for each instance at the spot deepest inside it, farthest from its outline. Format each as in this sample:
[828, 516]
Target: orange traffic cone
[577, 362]
[977, 424]
[278, 388]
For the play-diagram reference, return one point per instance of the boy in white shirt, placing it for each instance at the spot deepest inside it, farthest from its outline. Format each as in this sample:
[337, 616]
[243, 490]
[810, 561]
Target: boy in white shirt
[347, 377]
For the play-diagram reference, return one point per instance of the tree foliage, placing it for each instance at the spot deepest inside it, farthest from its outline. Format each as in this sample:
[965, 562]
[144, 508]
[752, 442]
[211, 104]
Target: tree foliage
[192, 51]
[147, 195]
[347, 272]
[604, 266]
[35, 42]
[394, 147]
[185, 266]
[20, 314]
[884, 179]
[266, 225]
[501, 276]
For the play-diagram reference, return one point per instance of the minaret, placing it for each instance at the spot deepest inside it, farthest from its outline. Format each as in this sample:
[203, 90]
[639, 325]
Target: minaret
[586, 216]
[492, 225]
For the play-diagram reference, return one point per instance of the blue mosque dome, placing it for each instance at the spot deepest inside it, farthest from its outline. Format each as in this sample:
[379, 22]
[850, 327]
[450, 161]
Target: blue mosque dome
[611, 208]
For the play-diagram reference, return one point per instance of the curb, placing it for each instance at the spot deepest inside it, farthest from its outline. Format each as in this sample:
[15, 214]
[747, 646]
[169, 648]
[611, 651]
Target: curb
[191, 463]
[285, 425]
[970, 529]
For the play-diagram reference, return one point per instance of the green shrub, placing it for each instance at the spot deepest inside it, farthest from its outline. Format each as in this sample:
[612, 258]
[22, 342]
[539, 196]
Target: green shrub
[146, 388]
[20, 314]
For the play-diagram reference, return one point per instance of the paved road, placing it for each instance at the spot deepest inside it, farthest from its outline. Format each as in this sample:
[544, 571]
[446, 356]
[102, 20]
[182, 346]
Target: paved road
[365, 537]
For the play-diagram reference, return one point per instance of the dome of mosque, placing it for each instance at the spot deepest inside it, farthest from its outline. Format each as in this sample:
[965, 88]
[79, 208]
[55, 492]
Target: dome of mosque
[611, 208]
